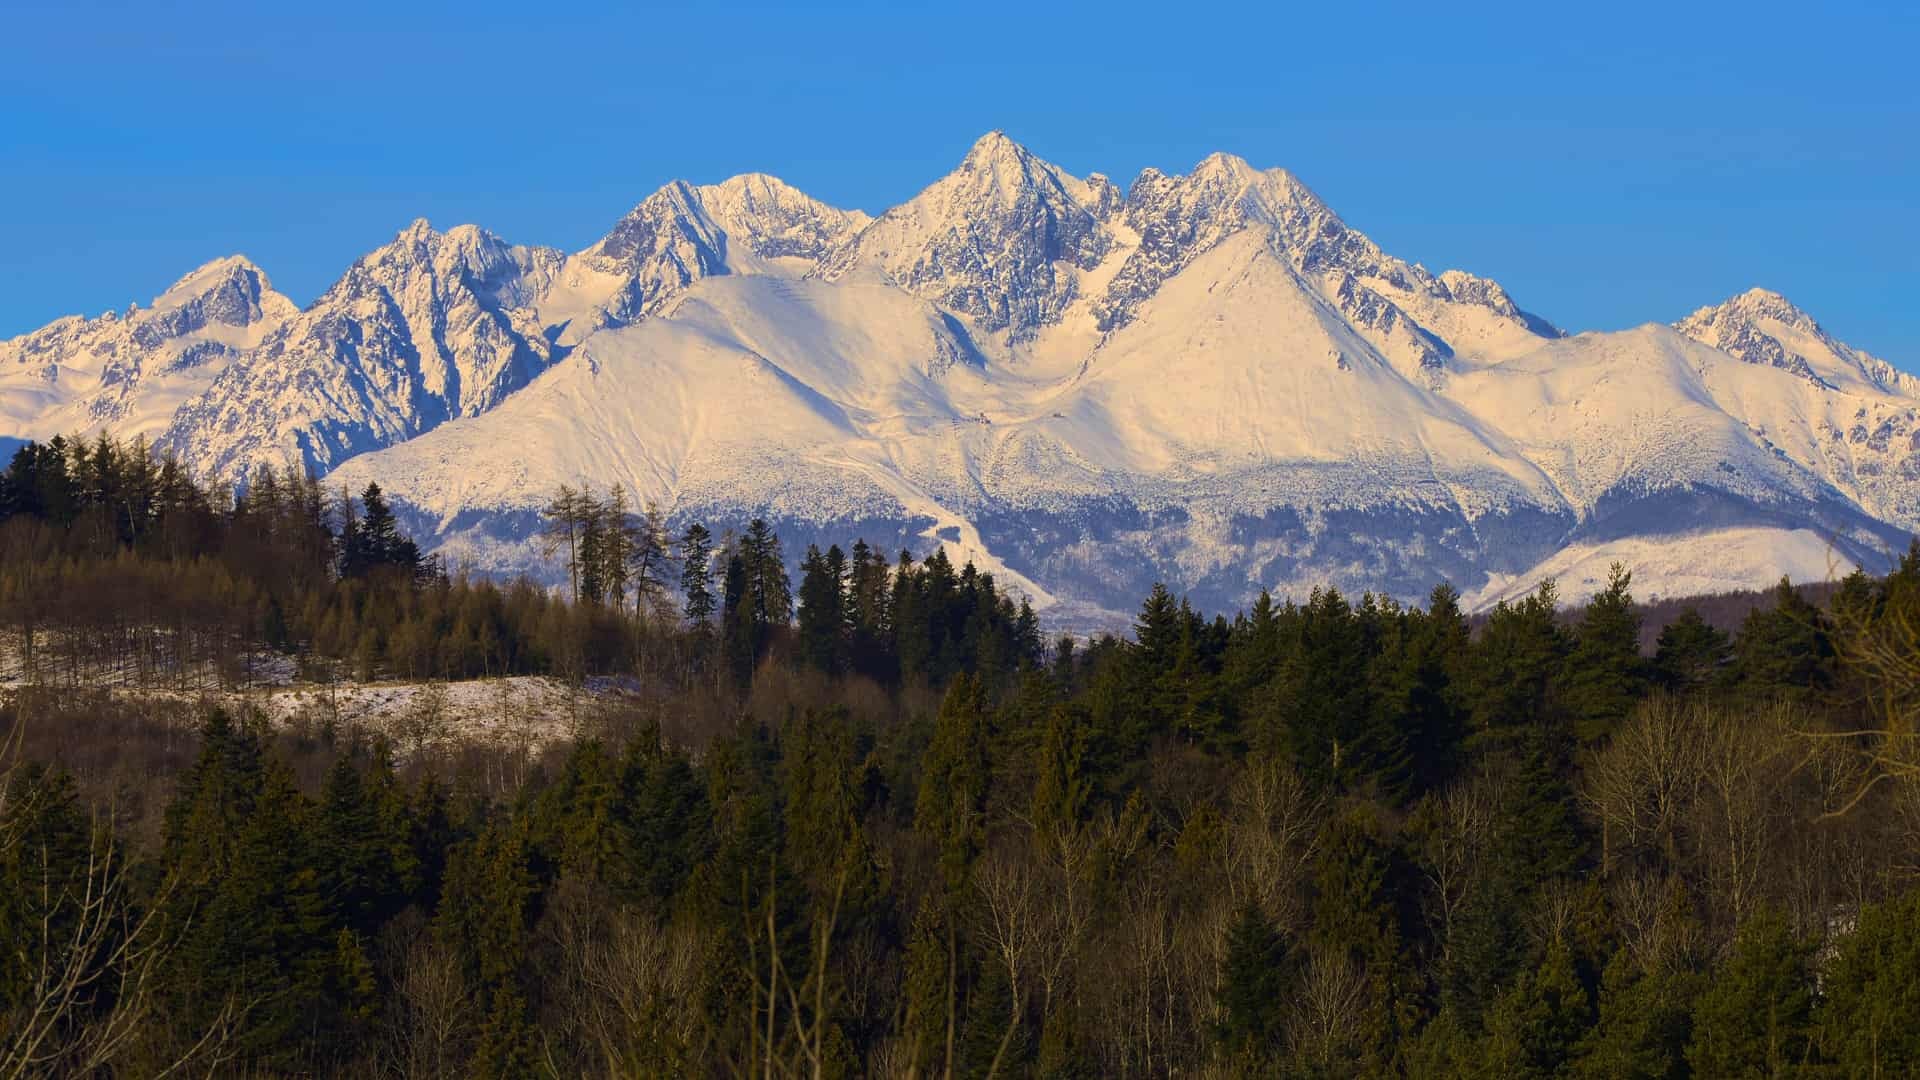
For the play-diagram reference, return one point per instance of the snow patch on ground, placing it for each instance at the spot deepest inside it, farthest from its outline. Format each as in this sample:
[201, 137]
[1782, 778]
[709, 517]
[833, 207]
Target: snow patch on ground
[1692, 564]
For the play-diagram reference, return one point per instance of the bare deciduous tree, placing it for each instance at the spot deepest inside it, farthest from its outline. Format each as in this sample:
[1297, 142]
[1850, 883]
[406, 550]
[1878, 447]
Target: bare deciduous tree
[1325, 1020]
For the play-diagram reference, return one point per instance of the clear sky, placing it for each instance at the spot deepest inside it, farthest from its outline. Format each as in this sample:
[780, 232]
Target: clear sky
[1610, 163]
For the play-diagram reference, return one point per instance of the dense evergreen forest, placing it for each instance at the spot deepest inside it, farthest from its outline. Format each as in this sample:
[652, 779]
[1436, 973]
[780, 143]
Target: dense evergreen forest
[879, 825]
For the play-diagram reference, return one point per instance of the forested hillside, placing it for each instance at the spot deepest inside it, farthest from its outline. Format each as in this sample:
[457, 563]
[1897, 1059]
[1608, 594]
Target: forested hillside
[876, 824]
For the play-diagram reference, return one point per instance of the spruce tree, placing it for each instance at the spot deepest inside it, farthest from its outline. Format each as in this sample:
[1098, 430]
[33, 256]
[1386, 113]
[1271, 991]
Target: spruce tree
[1157, 632]
[1534, 1028]
[1605, 673]
[1642, 1026]
[1252, 985]
[1871, 992]
[767, 584]
[1785, 648]
[740, 632]
[1756, 1016]
[696, 573]
[1690, 653]
[950, 809]
[823, 621]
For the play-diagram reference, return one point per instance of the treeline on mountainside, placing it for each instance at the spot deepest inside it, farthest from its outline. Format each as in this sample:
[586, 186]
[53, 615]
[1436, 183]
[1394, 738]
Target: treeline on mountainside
[115, 564]
[879, 826]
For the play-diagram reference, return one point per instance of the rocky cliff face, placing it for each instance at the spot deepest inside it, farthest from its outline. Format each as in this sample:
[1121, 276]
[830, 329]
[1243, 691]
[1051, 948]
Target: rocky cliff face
[430, 327]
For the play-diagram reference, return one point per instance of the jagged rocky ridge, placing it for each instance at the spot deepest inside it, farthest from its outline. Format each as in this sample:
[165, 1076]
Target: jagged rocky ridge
[1208, 379]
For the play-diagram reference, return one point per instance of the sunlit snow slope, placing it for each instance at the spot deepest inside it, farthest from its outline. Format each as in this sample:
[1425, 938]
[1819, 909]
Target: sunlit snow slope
[1205, 379]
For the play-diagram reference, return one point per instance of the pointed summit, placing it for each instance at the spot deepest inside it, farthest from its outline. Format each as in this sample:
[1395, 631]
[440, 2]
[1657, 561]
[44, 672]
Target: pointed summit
[230, 290]
[1763, 303]
[999, 239]
[1761, 326]
[993, 144]
[772, 219]
[998, 167]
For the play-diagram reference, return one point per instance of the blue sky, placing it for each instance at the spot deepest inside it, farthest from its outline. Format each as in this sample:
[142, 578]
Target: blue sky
[1611, 164]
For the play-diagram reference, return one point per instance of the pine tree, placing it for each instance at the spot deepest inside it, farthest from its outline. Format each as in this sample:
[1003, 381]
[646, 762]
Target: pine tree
[1871, 993]
[929, 987]
[696, 573]
[869, 610]
[1515, 672]
[1606, 674]
[1642, 1028]
[1534, 1028]
[1157, 632]
[45, 845]
[1756, 1016]
[740, 633]
[1784, 649]
[1322, 697]
[823, 617]
[954, 775]
[363, 843]
[767, 584]
[1252, 985]
[1690, 653]
[374, 542]
[1062, 791]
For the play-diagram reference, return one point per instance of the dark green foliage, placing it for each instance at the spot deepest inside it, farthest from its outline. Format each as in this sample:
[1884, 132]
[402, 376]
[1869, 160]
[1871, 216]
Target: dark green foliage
[371, 541]
[1872, 993]
[1691, 654]
[1253, 984]
[1642, 1028]
[1533, 1028]
[260, 935]
[1515, 676]
[1606, 673]
[363, 835]
[1784, 649]
[1756, 1016]
[905, 835]
[954, 775]
[825, 627]
[696, 573]
[48, 843]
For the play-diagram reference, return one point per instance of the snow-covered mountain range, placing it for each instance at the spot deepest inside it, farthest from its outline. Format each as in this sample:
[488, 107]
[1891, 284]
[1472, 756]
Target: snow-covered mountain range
[1206, 379]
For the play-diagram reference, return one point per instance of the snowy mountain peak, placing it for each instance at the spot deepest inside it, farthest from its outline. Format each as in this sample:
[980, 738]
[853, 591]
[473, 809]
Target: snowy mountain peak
[428, 327]
[1000, 239]
[1221, 167]
[669, 216]
[132, 371]
[660, 247]
[996, 150]
[1005, 173]
[1412, 319]
[1755, 304]
[775, 220]
[1104, 197]
[1761, 326]
[230, 290]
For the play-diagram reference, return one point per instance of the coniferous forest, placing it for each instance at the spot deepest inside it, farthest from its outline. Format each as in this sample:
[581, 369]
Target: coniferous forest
[878, 823]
